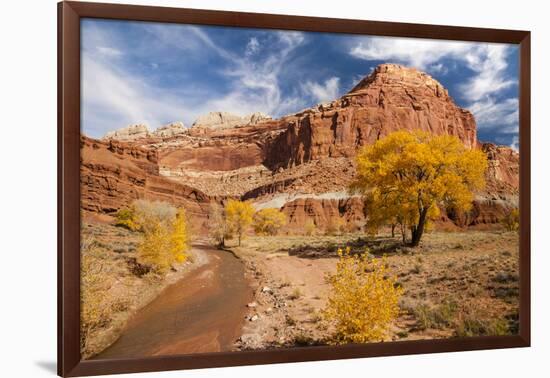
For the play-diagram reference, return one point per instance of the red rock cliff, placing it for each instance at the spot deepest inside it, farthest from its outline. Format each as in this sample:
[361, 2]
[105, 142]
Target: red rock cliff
[392, 98]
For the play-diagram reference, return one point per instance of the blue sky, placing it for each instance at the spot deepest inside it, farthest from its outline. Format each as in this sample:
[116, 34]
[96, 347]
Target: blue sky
[152, 73]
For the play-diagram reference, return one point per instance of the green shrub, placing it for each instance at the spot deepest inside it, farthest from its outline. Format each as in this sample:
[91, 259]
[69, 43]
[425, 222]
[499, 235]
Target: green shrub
[437, 317]
[472, 326]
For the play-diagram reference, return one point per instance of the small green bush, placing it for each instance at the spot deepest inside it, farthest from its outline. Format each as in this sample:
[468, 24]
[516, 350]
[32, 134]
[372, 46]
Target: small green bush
[471, 326]
[437, 317]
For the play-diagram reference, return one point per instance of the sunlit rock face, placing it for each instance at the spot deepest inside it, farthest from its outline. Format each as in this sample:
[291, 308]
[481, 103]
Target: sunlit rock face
[301, 163]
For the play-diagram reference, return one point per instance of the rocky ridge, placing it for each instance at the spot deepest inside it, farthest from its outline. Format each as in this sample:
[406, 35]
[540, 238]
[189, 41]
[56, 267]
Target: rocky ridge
[308, 153]
[225, 120]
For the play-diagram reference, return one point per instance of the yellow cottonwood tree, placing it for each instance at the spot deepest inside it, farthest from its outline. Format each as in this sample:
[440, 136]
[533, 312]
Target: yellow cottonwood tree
[239, 217]
[269, 221]
[155, 248]
[407, 175]
[166, 236]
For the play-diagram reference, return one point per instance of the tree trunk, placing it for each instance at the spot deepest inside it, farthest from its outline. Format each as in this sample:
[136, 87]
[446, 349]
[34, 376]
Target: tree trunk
[239, 240]
[418, 230]
[393, 230]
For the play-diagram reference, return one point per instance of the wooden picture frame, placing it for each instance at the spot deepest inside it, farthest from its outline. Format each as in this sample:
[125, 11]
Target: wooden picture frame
[69, 16]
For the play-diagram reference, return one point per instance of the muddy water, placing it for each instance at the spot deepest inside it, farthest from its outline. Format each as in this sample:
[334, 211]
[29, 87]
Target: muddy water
[202, 312]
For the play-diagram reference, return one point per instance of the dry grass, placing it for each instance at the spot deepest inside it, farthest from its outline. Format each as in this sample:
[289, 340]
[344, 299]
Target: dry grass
[456, 284]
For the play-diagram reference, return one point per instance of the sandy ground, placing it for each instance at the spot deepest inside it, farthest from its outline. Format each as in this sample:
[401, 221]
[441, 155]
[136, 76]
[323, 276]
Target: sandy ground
[455, 284]
[474, 274]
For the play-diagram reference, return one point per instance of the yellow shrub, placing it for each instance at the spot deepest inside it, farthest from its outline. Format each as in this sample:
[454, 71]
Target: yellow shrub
[126, 217]
[95, 307]
[309, 227]
[155, 248]
[180, 237]
[269, 221]
[511, 220]
[363, 302]
[165, 240]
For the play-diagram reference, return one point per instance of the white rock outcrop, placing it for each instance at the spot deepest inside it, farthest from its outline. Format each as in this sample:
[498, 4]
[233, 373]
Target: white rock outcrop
[170, 130]
[129, 133]
[225, 120]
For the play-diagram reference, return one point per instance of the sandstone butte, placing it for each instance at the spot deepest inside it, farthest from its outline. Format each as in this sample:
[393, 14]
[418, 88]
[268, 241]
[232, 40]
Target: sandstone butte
[301, 163]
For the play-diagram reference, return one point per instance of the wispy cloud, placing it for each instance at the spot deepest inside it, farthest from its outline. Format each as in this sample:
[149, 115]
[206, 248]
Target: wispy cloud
[327, 91]
[502, 114]
[154, 73]
[256, 82]
[109, 51]
[114, 99]
[419, 53]
[488, 62]
[115, 95]
[252, 47]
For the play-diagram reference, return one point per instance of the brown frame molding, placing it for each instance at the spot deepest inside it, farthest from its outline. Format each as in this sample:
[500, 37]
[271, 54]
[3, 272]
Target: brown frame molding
[69, 15]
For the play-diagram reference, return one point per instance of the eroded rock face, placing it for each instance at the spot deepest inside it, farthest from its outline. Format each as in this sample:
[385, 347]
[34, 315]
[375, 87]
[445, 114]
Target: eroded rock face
[129, 133]
[503, 172]
[257, 158]
[170, 130]
[225, 120]
[324, 211]
[392, 98]
[113, 174]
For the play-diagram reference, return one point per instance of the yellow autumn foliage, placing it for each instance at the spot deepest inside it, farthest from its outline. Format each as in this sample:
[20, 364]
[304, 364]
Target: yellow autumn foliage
[511, 220]
[269, 221]
[218, 228]
[363, 300]
[406, 176]
[155, 248]
[309, 227]
[126, 218]
[180, 237]
[94, 313]
[166, 237]
[239, 216]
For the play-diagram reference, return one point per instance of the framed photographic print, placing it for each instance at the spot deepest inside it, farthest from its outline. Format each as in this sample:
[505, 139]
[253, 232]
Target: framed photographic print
[239, 188]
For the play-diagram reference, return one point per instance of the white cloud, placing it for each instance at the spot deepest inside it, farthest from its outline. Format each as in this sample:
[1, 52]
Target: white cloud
[113, 97]
[419, 53]
[323, 92]
[515, 143]
[252, 47]
[487, 61]
[439, 68]
[490, 65]
[256, 85]
[503, 114]
[109, 51]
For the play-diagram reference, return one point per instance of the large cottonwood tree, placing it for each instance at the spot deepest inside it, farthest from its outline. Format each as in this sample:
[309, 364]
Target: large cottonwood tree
[406, 176]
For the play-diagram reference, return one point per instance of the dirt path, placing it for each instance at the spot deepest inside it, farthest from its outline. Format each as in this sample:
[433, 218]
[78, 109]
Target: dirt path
[202, 312]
